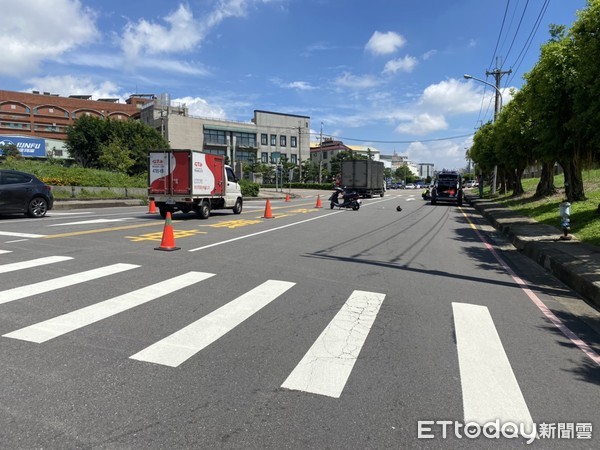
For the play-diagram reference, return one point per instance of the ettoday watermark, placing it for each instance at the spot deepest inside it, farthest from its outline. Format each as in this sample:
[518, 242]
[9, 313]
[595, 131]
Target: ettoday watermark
[431, 429]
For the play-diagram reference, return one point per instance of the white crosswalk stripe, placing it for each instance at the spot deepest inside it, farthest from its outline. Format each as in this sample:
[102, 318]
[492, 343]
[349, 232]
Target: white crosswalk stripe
[52, 328]
[22, 235]
[182, 345]
[489, 386]
[490, 389]
[326, 367]
[28, 290]
[12, 267]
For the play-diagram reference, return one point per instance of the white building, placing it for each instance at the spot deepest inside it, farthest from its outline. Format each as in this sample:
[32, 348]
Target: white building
[267, 137]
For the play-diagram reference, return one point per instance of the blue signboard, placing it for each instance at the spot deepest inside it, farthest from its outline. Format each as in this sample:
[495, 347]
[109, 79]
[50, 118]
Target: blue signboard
[29, 147]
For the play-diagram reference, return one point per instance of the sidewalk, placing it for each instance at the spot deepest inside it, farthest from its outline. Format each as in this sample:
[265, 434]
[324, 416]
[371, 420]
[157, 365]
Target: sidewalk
[574, 263]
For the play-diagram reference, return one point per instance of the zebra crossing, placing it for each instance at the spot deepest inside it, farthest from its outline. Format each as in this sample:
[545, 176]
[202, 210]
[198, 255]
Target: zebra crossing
[327, 364]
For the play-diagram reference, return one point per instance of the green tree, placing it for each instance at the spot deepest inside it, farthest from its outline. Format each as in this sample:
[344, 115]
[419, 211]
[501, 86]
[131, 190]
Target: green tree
[114, 156]
[551, 107]
[10, 151]
[84, 138]
[482, 152]
[514, 141]
[89, 136]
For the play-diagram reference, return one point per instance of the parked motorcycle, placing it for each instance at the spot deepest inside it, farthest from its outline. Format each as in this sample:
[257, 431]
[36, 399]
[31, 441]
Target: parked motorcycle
[350, 199]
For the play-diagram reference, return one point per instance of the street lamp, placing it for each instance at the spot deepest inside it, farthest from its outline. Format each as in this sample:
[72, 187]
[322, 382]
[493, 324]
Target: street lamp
[497, 108]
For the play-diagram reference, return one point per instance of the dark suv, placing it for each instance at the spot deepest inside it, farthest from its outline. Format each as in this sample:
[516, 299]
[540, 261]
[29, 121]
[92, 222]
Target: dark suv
[447, 187]
[22, 192]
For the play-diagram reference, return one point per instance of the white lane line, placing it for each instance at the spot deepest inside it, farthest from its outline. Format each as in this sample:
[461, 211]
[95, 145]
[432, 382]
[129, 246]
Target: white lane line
[18, 293]
[76, 213]
[185, 343]
[32, 263]
[5, 251]
[57, 326]
[23, 235]
[489, 386]
[261, 232]
[92, 221]
[327, 365]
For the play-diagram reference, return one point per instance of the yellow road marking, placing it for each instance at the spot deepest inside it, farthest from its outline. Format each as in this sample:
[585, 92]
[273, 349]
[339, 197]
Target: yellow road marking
[101, 230]
[158, 236]
[466, 217]
[234, 223]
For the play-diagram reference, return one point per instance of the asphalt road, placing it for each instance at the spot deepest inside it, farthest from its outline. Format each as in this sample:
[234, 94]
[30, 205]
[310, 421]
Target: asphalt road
[316, 328]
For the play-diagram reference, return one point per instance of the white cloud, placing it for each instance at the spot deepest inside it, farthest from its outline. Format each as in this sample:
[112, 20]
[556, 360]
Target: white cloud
[429, 54]
[355, 82]
[406, 64]
[300, 85]
[444, 154]
[423, 124]
[181, 33]
[70, 85]
[35, 30]
[451, 96]
[199, 107]
[385, 43]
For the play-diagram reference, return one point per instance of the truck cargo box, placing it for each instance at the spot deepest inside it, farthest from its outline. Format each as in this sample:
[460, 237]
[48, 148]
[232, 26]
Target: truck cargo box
[186, 172]
[363, 175]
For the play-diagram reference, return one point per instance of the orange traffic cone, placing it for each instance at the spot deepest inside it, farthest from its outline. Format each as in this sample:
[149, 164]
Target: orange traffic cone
[318, 205]
[168, 240]
[287, 197]
[268, 214]
[152, 208]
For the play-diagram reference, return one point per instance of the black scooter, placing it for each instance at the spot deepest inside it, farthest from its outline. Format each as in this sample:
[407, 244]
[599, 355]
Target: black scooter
[351, 199]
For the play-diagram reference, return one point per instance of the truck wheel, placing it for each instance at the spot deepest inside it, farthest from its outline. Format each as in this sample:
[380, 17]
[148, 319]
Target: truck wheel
[433, 201]
[237, 209]
[459, 201]
[163, 210]
[203, 211]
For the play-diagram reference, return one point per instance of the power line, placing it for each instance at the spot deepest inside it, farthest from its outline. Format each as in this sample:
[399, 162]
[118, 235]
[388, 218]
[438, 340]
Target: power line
[529, 40]
[341, 138]
[500, 33]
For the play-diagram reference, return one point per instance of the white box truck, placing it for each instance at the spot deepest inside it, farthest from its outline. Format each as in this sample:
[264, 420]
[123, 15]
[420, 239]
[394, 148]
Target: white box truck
[190, 180]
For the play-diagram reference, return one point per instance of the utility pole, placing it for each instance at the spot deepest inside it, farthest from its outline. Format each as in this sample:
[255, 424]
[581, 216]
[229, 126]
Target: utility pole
[497, 73]
[299, 153]
[320, 152]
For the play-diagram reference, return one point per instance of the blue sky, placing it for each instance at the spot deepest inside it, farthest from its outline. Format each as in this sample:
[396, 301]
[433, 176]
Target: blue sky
[380, 73]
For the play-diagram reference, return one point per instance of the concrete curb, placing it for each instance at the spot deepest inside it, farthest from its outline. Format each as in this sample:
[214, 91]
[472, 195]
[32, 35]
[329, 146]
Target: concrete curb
[574, 263]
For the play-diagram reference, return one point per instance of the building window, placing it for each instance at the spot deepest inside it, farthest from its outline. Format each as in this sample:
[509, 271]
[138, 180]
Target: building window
[50, 110]
[294, 159]
[293, 142]
[282, 141]
[245, 139]
[273, 140]
[245, 156]
[264, 139]
[264, 156]
[67, 114]
[215, 137]
[324, 155]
